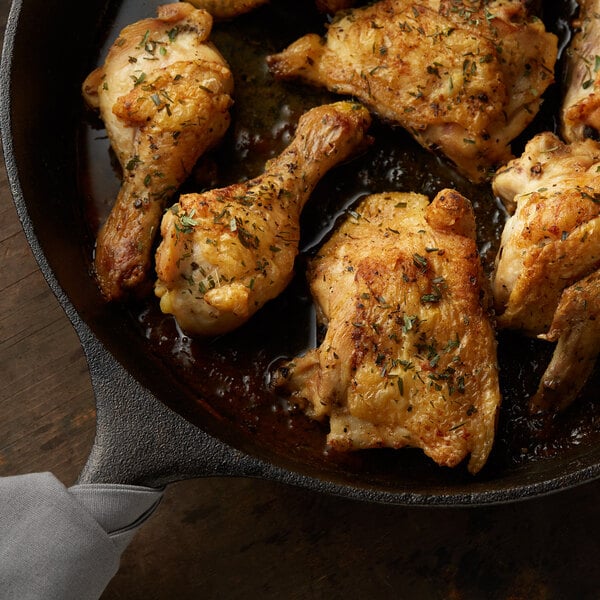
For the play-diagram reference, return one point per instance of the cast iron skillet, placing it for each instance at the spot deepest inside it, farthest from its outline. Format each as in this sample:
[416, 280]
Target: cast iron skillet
[155, 423]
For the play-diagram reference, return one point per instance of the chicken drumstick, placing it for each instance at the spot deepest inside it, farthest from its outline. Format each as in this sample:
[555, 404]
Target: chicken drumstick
[226, 252]
[164, 94]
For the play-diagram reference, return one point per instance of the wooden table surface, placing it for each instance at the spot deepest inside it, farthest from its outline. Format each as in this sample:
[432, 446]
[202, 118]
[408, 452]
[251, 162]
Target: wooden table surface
[244, 538]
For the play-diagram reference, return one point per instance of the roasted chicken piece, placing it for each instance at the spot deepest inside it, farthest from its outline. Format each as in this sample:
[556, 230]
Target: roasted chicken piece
[464, 78]
[227, 9]
[580, 113]
[409, 355]
[164, 94]
[576, 328]
[226, 252]
[545, 281]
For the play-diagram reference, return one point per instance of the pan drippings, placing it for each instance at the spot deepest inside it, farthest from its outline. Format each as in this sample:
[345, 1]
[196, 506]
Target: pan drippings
[231, 372]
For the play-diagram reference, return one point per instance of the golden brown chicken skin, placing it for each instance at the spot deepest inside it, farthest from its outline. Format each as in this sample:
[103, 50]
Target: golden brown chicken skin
[164, 94]
[464, 78]
[226, 252]
[576, 329]
[580, 112]
[409, 354]
[545, 280]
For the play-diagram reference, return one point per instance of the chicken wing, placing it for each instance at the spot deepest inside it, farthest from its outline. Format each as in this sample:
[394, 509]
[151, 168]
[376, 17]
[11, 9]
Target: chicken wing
[549, 249]
[580, 113]
[464, 78]
[409, 355]
[576, 328]
[164, 94]
[226, 252]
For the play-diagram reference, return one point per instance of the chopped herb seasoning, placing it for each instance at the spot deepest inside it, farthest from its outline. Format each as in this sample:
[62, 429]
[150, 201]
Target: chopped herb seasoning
[133, 163]
[454, 427]
[432, 297]
[139, 79]
[409, 323]
[420, 261]
[186, 222]
[172, 34]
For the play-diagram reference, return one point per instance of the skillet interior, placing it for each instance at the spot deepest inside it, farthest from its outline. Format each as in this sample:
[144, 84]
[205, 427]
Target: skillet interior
[218, 387]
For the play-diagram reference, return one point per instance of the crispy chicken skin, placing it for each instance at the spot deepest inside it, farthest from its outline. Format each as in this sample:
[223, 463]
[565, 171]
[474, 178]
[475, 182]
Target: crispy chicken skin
[576, 329]
[543, 282]
[463, 77]
[226, 252]
[580, 113]
[409, 354]
[164, 94]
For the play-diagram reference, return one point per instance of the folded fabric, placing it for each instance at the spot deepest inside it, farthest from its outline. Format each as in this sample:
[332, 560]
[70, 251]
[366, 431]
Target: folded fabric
[59, 543]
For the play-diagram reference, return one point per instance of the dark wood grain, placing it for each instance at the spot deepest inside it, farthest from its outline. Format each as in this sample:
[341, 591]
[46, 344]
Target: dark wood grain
[245, 538]
[46, 401]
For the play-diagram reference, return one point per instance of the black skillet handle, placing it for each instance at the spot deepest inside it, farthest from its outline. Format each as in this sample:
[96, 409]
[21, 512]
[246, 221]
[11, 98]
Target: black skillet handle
[139, 440]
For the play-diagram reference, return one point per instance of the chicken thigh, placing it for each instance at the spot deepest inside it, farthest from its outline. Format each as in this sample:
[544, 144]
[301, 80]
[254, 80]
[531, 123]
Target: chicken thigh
[164, 94]
[409, 355]
[226, 252]
[464, 78]
[580, 113]
[546, 277]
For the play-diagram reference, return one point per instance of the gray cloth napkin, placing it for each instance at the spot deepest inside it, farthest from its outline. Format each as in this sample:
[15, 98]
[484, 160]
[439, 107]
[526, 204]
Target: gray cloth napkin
[59, 543]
